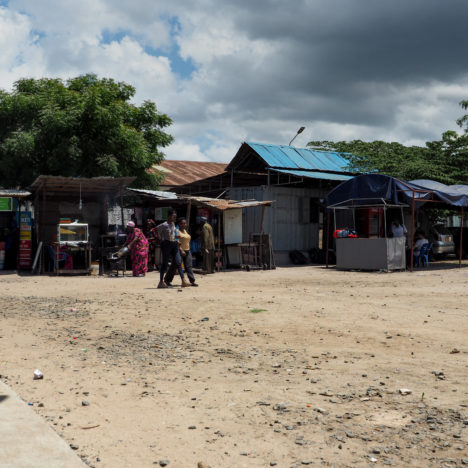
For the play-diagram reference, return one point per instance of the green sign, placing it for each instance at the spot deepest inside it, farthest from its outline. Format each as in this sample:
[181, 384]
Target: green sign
[6, 203]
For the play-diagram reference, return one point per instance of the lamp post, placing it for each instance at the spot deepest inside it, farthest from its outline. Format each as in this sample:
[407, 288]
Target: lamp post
[298, 132]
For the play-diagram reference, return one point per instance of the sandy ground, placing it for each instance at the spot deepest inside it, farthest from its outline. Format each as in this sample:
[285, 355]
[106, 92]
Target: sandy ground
[287, 368]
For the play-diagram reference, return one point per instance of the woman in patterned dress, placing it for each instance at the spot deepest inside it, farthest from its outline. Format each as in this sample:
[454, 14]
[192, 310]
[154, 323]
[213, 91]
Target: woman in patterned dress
[138, 245]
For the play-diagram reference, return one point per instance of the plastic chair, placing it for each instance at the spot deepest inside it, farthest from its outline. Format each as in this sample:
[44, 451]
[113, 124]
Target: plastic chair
[54, 258]
[423, 256]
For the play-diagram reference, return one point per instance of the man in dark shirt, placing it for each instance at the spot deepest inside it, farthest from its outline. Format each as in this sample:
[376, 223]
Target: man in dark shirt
[169, 249]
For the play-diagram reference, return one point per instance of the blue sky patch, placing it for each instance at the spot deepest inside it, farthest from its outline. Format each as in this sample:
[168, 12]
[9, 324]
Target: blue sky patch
[182, 68]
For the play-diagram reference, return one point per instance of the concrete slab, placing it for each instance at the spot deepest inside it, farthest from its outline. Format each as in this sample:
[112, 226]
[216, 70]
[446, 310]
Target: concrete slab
[26, 440]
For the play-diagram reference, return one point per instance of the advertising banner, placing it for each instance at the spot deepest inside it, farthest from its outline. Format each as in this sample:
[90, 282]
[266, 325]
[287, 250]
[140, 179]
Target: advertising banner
[25, 245]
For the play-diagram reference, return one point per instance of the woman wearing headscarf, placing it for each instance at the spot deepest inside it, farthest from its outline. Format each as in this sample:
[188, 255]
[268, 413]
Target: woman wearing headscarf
[138, 245]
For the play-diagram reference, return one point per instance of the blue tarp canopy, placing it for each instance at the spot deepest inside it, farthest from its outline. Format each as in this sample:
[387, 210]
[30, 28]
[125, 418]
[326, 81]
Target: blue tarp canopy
[381, 189]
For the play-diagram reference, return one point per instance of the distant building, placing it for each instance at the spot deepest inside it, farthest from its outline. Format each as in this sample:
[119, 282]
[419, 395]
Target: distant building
[297, 179]
[180, 173]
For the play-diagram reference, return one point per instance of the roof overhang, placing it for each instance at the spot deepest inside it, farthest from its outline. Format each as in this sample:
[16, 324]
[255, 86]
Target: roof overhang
[14, 193]
[59, 185]
[314, 174]
[218, 204]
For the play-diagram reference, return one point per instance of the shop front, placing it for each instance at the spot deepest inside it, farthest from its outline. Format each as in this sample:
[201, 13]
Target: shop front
[16, 230]
[224, 216]
[72, 214]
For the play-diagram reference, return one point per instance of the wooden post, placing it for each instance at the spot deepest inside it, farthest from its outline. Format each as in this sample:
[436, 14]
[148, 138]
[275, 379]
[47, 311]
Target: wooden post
[121, 208]
[37, 217]
[328, 238]
[19, 230]
[412, 235]
[187, 214]
[262, 220]
[43, 217]
[218, 258]
[461, 240]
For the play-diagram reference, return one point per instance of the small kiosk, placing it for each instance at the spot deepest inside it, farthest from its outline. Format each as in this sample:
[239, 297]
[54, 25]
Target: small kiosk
[368, 203]
[370, 248]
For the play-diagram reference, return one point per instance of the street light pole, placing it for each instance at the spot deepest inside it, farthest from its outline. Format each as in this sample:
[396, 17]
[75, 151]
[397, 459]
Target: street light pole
[298, 132]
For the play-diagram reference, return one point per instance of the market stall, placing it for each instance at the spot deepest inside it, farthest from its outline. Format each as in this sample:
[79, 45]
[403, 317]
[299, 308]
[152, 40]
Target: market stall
[373, 197]
[71, 214]
[225, 216]
[370, 247]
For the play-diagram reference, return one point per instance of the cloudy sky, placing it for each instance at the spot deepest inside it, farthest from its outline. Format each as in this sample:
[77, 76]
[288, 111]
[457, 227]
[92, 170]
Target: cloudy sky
[256, 70]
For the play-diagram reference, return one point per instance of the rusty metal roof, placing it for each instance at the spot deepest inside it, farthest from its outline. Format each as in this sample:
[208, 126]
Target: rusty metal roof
[178, 173]
[220, 204]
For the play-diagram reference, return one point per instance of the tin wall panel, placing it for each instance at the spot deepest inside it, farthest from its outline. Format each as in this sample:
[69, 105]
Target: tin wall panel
[282, 219]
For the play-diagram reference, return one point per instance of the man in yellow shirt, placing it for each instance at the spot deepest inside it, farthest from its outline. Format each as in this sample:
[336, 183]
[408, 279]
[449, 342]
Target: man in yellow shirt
[183, 239]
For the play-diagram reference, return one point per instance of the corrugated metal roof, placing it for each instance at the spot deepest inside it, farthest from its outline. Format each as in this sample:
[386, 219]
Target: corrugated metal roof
[185, 172]
[314, 174]
[290, 157]
[156, 193]
[14, 193]
[223, 204]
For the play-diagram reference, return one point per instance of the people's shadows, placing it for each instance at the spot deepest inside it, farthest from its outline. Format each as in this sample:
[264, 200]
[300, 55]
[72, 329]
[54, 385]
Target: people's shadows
[3, 397]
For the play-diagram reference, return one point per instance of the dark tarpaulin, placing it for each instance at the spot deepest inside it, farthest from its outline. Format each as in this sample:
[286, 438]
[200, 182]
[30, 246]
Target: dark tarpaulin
[373, 188]
[454, 195]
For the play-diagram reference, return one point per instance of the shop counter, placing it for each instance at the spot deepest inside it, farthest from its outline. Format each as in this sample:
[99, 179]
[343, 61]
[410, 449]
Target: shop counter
[371, 254]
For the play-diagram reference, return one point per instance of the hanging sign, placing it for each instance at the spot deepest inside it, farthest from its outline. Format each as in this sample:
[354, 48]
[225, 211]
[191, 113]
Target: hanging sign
[6, 203]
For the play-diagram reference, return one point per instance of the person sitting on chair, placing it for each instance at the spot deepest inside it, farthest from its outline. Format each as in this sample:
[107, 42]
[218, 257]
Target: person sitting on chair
[420, 241]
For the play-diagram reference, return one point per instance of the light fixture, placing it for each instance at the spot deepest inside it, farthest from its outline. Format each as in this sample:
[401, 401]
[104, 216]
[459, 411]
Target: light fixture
[298, 132]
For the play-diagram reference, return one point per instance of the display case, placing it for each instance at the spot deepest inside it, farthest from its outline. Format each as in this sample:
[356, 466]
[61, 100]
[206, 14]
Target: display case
[73, 234]
[72, 250]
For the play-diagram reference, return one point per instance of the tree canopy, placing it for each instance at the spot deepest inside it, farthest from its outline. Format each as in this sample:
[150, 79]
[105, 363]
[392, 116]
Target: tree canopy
[445, 160]
[83, 127]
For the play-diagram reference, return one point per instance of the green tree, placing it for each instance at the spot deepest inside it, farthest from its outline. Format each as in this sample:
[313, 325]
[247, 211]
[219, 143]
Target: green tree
[84, 127]
[444, 160]
[395, 159]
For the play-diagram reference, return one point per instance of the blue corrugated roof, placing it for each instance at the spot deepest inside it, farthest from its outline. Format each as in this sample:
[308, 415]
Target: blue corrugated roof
[314, 174]
[289, 157]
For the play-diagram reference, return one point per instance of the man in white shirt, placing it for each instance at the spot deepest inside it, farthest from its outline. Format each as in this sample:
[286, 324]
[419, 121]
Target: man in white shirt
[398, 230]
[419, 243]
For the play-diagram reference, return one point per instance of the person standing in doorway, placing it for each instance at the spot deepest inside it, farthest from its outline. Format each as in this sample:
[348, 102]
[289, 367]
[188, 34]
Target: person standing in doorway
[207, 245]
[170, 249]
[398, 229]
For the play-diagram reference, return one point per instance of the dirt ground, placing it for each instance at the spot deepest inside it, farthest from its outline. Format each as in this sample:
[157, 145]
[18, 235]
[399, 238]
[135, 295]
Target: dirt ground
[287, 368]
